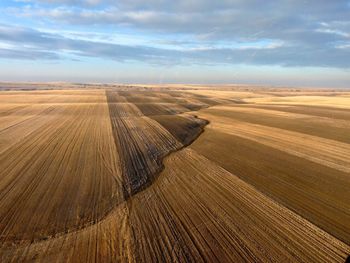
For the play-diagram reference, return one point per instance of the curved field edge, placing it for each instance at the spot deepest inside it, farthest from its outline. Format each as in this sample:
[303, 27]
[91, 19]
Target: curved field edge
[197, 211]
[168, 221]
[187, 214]
[70, 117]
[307, 174]
[143, 141]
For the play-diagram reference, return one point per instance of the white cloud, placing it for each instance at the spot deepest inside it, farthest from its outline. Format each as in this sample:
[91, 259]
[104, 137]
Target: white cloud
[333, 31]
[229, 31]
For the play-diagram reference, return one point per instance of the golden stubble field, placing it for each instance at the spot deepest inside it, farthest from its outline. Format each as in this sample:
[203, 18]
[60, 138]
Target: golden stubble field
[174, 174]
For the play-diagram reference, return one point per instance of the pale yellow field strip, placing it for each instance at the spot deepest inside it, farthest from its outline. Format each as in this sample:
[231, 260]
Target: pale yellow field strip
[337, 102]
[225, 95]
[324, 151]
[327, 121]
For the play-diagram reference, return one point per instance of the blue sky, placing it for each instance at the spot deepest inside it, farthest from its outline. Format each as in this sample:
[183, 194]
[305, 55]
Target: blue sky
[293, 43]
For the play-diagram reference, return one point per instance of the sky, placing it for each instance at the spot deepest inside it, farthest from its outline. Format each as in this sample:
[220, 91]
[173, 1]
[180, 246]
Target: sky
[285, 42]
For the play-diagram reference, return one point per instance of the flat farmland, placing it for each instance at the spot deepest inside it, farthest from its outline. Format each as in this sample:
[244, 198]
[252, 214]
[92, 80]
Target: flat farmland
[176, 173]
